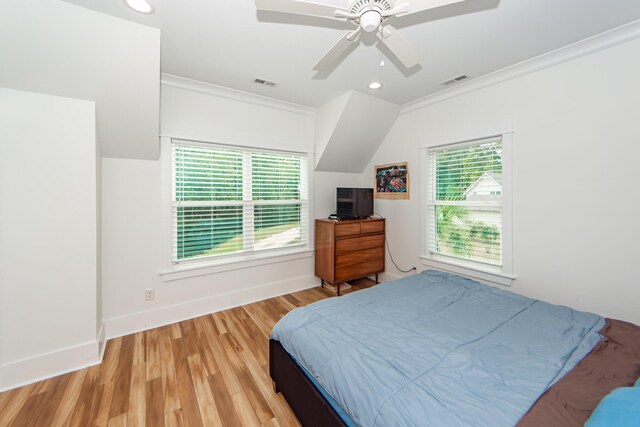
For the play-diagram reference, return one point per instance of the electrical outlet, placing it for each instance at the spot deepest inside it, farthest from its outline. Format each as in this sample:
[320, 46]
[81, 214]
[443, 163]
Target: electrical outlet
[149, 294]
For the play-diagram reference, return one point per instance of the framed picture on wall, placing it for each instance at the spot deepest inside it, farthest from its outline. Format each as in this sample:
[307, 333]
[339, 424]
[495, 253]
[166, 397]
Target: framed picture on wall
[391, 181]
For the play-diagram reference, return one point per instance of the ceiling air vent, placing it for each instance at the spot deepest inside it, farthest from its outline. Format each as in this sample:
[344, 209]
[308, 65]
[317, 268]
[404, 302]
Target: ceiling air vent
[264, 82]
[455, 80]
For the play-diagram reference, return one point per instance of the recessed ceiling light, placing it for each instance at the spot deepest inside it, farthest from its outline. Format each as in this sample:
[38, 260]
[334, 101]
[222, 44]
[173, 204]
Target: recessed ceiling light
[142, 6]
[375, 85]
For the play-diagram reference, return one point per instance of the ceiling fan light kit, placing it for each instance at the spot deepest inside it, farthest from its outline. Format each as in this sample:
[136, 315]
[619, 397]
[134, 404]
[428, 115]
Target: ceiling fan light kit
[370, 21]
[368, 16]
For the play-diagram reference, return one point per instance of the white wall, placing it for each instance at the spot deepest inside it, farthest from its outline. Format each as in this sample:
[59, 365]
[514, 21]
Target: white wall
[325, 190]
[133, 205]
[199, 111]
[575, 176]
[327, 118]
[55, 48]
[49, 46]
[98, 232]
[48, 240]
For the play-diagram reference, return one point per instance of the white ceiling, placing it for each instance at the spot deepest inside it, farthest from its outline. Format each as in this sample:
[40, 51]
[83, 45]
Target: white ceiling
[228, 43]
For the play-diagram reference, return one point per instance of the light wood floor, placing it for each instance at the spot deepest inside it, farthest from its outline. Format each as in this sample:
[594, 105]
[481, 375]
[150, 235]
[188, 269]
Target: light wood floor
[211, 370]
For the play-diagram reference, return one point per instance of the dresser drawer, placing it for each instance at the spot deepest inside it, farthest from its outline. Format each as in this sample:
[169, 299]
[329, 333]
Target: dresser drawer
[372, 227]
[347, 229]
[356, 243]
[362, 269]
[355, 257]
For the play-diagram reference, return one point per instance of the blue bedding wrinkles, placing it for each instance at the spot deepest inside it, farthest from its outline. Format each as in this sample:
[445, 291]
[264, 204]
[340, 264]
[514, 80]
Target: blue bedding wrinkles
[436, 349]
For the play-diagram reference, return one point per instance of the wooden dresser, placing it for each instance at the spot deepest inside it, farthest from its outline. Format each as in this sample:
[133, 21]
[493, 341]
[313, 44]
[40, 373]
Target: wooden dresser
[349, 249]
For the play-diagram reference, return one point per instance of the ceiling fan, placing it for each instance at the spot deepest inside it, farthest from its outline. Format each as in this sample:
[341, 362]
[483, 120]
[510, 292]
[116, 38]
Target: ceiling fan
[368, 16]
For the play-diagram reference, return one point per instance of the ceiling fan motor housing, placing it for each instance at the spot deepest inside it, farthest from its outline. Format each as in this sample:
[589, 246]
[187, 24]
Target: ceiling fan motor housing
[369, 11]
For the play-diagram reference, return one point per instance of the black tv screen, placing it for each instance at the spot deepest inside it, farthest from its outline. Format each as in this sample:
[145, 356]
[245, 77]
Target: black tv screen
[354, 203]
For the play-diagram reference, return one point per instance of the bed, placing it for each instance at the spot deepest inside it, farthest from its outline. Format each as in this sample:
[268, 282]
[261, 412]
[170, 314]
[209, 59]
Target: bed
[440, 349]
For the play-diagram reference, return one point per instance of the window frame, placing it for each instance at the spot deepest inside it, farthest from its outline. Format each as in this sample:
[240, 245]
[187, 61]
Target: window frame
[175, 270]
[502, 275]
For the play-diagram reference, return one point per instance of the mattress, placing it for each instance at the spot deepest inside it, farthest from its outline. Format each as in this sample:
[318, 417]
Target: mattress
[435, 348]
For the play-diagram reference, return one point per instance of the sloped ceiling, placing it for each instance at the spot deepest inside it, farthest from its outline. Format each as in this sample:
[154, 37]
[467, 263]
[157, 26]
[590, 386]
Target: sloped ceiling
[228, 43]
[52, 47]
[350, 129]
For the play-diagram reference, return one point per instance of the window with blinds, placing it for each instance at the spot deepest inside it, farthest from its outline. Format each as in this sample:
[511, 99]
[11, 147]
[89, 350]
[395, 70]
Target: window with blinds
[464, 201]
[228, 200]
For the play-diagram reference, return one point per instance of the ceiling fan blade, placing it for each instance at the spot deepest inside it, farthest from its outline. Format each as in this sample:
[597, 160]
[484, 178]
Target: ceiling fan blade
[299, 8]
[399, 9]
[399, 46]
[415, 6]
[338, 49]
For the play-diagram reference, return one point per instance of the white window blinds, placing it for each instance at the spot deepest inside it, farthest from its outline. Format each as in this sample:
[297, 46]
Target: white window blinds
[236, 201]
[464, 201]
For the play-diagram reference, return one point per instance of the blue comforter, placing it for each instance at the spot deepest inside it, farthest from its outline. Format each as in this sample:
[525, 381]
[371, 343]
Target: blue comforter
[436, 349]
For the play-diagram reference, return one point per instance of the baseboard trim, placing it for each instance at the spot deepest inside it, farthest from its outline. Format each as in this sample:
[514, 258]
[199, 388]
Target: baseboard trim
[390, 277]
[48, 365]
[125, 325]
[102, 341]
[59, 362]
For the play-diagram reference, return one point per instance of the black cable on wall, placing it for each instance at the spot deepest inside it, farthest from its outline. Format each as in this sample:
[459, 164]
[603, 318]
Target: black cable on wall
[389, 251]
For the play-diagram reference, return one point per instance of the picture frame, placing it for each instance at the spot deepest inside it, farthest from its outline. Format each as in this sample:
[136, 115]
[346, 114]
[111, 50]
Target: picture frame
[391, 181]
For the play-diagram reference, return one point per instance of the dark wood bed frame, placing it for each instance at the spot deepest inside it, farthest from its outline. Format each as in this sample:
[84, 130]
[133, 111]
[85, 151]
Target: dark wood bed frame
[306, 401]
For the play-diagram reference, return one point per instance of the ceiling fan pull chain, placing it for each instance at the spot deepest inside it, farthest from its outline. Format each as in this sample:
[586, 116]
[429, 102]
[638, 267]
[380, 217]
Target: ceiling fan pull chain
[382, 48]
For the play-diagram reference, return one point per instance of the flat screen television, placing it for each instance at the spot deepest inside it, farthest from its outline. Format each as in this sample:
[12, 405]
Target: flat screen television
[354, 203]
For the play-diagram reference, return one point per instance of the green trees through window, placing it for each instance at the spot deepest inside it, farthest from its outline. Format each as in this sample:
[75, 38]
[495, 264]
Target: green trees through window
[465, 202]
[228, 200]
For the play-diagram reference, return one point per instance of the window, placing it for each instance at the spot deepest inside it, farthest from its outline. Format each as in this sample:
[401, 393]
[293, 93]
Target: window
[236, 201]
[467, 213]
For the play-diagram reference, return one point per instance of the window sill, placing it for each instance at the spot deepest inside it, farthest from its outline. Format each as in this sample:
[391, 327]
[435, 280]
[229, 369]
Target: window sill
[194, 269]
[485, 274]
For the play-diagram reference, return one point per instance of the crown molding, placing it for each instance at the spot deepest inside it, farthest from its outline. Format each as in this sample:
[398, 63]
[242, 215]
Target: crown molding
[233, 94]
[602, 41]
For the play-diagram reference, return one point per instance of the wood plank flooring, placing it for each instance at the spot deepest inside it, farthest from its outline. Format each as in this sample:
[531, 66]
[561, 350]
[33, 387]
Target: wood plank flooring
[209, 371]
